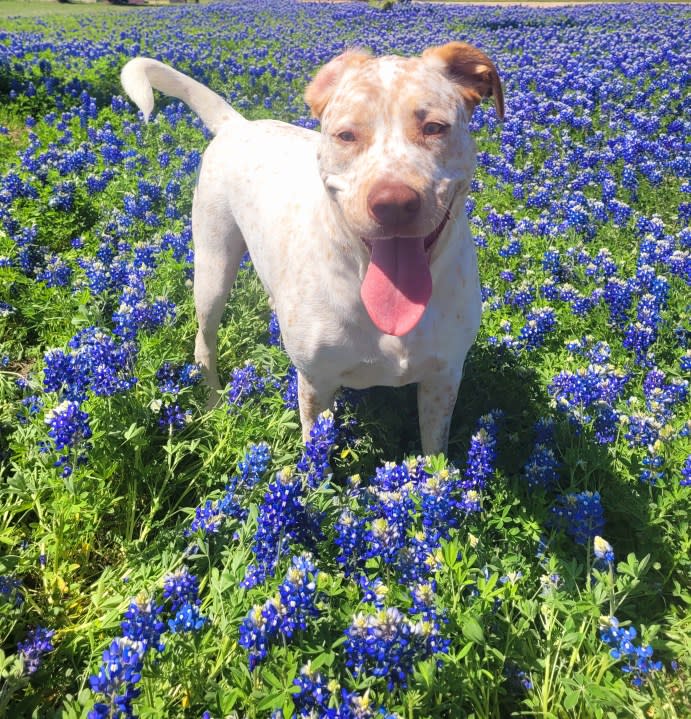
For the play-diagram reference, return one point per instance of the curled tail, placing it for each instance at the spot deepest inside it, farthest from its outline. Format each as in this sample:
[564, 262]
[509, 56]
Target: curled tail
[141, 74]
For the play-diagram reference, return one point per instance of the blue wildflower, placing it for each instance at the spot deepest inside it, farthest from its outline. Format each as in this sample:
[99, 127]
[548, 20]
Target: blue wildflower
[314, 462]
[602, 549]
[685, 480]
[254, 464]
[31, 650]
[180, 587]
[284, 518]
[174, 378]
[142, 623]
[69, 429]
[480, 462]
[117, 679]
[388, 644]
[245, 382]
[188, 618]
[284, 613]
[10, 590]
[637, 660]
[580, 515]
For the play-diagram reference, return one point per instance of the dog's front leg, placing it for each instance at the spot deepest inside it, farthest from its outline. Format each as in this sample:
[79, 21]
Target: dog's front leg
[436, 398]
[313, 399]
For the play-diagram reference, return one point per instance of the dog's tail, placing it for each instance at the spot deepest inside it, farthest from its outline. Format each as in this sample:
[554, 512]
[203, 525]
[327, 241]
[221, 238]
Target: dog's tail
[141, 74]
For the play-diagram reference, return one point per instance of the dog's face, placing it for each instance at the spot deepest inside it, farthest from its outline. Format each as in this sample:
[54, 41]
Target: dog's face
[396, 158]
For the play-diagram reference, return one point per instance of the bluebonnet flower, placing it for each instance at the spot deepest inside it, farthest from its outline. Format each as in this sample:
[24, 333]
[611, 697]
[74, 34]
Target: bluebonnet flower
[180, 587]
[245, 382]
[602, 549]
[255, 635]
[31, 405]
[284, 613]
[142, 623]
[314, 462]
[174, 417]
[387, 645]
[135, 313]
[580, 515]
[685, 480]
[438, 503]
[356, 706]
[298, 592]
[350, 539]
[254, 464]
[618, 297]
[173, 378]
[63, 196]
[587, 395]
[69, 429]
[284, 517]
[10, 590]
[641, 430]
[480, 463]
[274, 330]
[35, 645]
[117, 680]
[210, 516]
[638, 660]
[55, 272]
[517, 678]
[313, 694]
[386, 537]
[290, 389]
[6, 309]
[542, 468]
[373, 591]
[424, 599]
[653, 466]
[96, 362]
[521, 297]
[660, 396]
[549, 583]
[539, 323]
[208, 519]
[188, 618]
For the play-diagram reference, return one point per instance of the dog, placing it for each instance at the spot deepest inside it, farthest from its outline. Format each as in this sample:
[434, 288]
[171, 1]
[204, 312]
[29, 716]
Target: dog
[358, 233]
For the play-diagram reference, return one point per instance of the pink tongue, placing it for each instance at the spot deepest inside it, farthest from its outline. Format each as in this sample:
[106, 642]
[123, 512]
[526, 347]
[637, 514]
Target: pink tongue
[398, 284]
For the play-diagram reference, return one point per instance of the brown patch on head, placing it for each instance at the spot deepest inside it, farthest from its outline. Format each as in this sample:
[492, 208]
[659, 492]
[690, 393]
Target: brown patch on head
[321, 89]
[474, 73]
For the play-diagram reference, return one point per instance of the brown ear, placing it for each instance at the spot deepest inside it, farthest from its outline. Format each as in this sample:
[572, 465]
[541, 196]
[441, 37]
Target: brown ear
[320, 90]
[471, 69]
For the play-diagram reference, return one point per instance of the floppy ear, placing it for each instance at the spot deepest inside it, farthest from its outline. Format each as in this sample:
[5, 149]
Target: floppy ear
[320, 90]
[473, 72]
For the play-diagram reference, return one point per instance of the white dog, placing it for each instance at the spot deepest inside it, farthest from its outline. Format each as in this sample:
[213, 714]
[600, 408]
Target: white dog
[358, 233]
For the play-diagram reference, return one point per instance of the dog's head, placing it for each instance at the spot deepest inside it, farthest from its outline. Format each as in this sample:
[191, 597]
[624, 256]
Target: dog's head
[396, 158]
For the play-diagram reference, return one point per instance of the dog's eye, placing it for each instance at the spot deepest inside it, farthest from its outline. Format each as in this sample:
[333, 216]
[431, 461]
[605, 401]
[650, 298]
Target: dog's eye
[434, 128]
[346, 136]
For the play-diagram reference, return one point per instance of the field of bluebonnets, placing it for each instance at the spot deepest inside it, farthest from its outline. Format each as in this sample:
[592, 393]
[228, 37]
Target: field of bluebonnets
[159, 560]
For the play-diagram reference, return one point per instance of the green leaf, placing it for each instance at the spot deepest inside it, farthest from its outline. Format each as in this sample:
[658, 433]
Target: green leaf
[571, 699]
[473, 631]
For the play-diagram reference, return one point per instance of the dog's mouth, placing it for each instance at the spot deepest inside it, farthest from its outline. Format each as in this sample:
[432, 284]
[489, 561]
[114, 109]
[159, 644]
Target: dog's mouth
[398, 282]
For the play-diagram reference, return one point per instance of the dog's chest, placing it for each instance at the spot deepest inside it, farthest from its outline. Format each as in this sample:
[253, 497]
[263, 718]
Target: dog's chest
[393, 368]
[377, 359]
